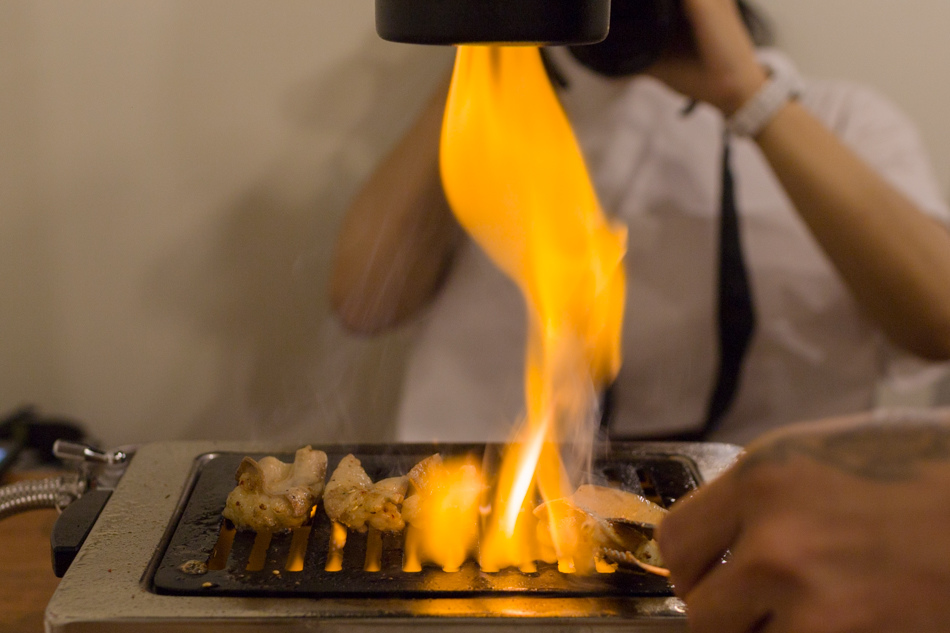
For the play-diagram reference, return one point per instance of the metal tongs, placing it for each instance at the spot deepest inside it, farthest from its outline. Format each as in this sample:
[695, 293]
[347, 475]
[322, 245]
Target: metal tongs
[635, 546]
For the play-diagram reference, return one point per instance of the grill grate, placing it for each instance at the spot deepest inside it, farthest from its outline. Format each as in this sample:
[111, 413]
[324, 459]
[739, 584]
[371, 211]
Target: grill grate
[294, 564]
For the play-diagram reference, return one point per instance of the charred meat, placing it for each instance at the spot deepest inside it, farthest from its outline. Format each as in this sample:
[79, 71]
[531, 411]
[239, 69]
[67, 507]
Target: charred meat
[351, 498]
[272, 495]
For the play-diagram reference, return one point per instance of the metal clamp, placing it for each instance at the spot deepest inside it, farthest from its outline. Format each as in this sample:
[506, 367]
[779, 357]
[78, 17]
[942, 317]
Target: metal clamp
[101, 469]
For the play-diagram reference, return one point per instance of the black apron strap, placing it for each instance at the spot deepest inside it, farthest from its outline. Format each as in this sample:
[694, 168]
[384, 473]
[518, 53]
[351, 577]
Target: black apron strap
[735, 314]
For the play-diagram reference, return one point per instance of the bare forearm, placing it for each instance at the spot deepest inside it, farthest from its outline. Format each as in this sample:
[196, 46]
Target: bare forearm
[398, 237]
[894, 259]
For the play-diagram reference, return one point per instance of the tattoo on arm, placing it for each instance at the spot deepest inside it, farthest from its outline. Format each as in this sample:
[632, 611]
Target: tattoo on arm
[886, 449]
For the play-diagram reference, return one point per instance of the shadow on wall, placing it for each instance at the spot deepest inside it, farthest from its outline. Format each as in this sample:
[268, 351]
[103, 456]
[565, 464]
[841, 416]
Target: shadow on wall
[255, 285]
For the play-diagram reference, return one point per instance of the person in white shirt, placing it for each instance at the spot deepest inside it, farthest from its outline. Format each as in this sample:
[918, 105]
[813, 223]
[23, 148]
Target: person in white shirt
[843, 230]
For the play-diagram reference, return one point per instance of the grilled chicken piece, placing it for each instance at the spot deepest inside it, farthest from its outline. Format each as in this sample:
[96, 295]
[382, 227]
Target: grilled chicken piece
[351, 498]
[595, 519]
[444, 511]
[422, 477]
[454, 487]
[613, 503]
[422, 474]
[272, 496]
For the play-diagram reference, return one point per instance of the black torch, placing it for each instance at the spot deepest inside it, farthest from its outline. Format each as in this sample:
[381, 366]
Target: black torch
[640, 31]
[537, 22]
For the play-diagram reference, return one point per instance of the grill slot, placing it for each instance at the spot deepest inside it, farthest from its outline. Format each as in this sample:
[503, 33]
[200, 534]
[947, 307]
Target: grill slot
[257, 558]
[298, 549]
[374, 551]
[296, 563]
[222, 548]
[336, 543]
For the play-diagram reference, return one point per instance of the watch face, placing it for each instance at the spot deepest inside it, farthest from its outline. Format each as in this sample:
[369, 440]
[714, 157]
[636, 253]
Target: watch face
[640, 31]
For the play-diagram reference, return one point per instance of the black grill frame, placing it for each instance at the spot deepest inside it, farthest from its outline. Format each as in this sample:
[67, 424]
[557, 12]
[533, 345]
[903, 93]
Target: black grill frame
[194, 530]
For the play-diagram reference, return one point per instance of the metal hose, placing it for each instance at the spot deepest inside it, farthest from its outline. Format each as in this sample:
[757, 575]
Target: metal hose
[35, 494]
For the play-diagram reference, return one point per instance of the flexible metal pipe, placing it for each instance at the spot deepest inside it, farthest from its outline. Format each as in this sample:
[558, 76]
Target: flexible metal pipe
[35, 494]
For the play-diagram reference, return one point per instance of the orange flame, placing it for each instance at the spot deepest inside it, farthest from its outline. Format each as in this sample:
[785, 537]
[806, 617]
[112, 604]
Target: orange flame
[516, 181]
[337, 543]
[444, 526]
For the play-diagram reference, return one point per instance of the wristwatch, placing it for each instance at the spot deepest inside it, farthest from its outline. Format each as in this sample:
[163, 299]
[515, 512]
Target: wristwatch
[781, 87]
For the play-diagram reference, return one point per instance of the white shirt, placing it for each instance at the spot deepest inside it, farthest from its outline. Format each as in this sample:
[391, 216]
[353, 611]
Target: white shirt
[813, 354]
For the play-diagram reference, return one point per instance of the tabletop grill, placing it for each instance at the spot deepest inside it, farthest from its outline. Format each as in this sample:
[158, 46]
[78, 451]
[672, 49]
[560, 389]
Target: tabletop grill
[160, 556]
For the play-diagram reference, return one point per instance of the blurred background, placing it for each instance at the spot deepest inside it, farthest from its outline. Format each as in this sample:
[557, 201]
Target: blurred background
[172, 173]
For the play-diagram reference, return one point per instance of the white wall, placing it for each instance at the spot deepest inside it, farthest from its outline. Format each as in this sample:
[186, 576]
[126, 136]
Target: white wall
[898, 46]
[172, 172]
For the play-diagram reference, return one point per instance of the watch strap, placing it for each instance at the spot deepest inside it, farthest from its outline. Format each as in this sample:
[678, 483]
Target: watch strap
[780, 88]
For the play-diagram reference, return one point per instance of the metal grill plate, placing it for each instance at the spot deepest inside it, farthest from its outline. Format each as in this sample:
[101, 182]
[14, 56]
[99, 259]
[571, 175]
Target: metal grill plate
[109, 589]
[194, 531]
